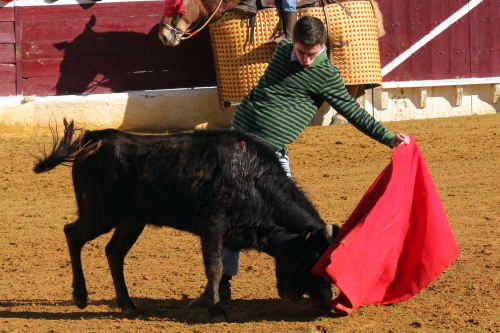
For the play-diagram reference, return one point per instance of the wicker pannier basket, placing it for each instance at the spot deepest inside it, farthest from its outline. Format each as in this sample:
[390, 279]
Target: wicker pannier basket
[239, 65]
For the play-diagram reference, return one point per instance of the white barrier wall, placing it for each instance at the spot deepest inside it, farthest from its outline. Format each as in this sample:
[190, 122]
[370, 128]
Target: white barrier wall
[162, 110]
[153, 111]
[426, 99]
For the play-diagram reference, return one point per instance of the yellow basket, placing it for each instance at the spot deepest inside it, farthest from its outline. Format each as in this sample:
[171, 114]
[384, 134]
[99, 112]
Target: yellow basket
[359, 61]
[239, 65]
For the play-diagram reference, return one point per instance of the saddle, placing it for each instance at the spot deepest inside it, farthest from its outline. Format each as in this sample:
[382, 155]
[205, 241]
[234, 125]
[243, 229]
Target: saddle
[304, 3]
[300, 3]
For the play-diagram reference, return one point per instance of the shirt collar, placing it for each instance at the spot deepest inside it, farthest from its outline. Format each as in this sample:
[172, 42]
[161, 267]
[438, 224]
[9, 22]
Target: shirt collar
[319, 56]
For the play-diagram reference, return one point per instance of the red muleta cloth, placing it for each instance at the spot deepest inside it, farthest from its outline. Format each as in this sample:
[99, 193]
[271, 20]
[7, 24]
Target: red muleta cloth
[173, 7]
[397, 240]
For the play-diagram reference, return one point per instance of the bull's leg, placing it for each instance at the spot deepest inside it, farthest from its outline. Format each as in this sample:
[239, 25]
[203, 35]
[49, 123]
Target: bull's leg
[212, 257]
[77, 234]
[122, 241]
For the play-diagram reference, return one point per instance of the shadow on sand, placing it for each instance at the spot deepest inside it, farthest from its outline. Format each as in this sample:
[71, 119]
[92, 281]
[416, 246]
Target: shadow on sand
[254, 310]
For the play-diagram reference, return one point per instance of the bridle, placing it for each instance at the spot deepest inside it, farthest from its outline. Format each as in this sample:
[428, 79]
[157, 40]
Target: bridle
[182, 35]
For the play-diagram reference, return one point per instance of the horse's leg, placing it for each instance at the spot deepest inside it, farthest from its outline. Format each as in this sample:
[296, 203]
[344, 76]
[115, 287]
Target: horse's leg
[211, 246]
[77, 234]
[122, 241]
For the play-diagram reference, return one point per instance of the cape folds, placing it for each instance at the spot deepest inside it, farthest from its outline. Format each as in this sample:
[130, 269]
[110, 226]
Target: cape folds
[397, 240]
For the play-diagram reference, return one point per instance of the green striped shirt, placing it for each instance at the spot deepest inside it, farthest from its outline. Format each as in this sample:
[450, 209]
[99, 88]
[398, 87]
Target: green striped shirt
[286, 98]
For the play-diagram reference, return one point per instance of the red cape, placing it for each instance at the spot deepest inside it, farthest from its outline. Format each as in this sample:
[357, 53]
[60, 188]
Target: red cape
[397, 240]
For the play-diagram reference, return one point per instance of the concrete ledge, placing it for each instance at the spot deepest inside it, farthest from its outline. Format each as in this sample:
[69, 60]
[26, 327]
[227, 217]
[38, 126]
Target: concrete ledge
[154, 111]
[162, 110]
[406, 103]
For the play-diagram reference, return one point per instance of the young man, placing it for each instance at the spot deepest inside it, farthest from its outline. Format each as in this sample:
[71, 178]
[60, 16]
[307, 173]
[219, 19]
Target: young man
[299, 78]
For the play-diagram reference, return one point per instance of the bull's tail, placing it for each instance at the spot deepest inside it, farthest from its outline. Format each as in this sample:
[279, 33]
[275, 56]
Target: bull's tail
[63, 151]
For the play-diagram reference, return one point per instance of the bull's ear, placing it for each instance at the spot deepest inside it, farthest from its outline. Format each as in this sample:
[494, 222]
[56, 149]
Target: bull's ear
[330, 232]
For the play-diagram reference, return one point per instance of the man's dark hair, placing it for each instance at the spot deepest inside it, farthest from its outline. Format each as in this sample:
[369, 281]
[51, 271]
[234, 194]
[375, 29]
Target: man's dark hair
[309, 31]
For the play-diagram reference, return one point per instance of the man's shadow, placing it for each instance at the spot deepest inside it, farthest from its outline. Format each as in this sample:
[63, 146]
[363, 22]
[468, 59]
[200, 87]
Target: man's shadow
[119, 61]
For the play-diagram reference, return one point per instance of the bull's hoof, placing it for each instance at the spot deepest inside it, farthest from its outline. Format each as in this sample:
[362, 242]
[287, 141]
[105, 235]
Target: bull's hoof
[81, 303]
[221, 319]
[218, 319]
[131, 313]
[321, 305]
[218, 314]
[200, 302]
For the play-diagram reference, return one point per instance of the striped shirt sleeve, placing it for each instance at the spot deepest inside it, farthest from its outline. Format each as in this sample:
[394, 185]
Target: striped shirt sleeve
[335, 93]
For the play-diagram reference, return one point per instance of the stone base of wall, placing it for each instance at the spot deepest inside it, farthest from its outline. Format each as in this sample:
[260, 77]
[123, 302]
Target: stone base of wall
[153, 111]
[163, 110]
[393, 104]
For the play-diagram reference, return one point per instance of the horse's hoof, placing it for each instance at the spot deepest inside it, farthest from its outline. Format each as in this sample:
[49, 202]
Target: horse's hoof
[80, 303]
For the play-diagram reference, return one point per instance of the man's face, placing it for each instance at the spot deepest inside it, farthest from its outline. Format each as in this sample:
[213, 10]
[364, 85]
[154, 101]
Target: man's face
[306, 54]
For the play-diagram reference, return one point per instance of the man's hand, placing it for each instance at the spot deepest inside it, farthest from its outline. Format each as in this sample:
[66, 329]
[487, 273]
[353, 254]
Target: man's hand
[399, 139]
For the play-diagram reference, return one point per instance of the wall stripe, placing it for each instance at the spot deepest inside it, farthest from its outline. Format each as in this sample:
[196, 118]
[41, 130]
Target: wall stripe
[441, 83]
[63, 2]
[440, 28]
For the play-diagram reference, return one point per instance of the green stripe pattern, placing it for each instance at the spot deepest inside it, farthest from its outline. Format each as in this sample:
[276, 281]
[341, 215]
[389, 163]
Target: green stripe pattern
[286, 98]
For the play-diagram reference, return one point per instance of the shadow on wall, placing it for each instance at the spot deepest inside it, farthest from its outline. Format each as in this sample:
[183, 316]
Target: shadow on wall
[122, 61]
[119, 61]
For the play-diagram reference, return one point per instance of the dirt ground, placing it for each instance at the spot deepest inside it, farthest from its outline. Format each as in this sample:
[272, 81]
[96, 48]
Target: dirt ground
[335, 165]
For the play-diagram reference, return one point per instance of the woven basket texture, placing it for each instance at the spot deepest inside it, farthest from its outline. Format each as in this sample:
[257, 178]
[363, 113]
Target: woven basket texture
[359, 61]
[239, 65]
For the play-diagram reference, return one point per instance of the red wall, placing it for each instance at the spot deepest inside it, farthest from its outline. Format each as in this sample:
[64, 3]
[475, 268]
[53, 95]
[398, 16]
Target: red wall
[469, 48]
[102, 47]
[7, 52]
[113, 47]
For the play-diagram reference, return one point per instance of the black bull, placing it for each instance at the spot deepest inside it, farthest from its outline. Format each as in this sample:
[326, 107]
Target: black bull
[225, 186]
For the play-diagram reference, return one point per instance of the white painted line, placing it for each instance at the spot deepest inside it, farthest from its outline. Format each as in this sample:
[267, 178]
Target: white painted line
[6, 4]
[26, 3]
[440, 28]
[440, 83]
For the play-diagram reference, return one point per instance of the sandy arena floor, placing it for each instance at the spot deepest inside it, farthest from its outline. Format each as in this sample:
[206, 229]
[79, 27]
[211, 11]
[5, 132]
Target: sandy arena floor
[335, 165]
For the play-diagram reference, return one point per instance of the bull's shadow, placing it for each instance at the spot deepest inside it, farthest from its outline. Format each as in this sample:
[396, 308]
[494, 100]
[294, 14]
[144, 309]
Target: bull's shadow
[119, 61]
[253, 310]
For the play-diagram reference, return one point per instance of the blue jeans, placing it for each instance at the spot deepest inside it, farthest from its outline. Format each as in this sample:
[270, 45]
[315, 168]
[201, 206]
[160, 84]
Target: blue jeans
[289, 5]
[230, 259]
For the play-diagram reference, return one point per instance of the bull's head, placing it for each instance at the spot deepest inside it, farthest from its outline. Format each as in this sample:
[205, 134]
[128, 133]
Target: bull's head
[294, 264]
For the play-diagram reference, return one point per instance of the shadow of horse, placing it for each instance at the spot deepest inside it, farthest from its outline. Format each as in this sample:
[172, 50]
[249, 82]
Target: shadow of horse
[119, 61]
[254, 310]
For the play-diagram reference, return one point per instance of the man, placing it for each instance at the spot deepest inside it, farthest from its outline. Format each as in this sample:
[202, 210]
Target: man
[299, 78]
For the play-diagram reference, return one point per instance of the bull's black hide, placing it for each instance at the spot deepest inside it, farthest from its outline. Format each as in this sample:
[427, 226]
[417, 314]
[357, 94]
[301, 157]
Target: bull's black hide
[225, 186]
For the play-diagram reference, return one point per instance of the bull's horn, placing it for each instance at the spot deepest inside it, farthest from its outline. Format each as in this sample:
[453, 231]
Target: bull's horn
[330, 232]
